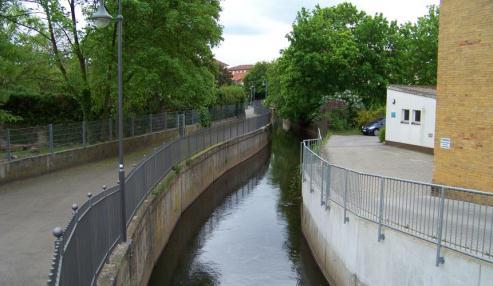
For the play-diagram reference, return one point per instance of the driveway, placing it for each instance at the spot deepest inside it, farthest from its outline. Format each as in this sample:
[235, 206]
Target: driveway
[366, 154]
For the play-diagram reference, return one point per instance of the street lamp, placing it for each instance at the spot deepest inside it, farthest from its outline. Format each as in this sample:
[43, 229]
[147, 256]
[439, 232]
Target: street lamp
[102, 18]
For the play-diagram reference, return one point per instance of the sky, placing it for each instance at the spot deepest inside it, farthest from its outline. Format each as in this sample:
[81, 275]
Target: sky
[255, 30]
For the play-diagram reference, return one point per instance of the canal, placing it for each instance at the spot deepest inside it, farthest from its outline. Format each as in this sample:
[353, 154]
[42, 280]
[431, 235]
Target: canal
[246, 228]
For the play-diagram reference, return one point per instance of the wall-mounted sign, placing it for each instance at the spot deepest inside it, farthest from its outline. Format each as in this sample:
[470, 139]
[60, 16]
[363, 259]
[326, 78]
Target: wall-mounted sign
[445, 143]
[392, 114]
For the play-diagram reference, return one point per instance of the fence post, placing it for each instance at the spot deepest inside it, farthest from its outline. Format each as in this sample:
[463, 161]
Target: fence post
[150, 123]
[440, 259]
[182, 124]
[322, 202]
[177, 121]
[165, 120]
[327, 189]
[133, 126]
[50, 137]
[9, 151]
[53, 277]
[110, 129]
[381, 236]
[84, 134]
[311, 172]
[301, 160]
[346, 218]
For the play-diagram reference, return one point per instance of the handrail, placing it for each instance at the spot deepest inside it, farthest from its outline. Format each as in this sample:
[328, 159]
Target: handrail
[456, 218]
[94, 228]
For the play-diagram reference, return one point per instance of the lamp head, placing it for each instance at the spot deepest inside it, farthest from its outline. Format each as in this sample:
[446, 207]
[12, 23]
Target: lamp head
[101, 17]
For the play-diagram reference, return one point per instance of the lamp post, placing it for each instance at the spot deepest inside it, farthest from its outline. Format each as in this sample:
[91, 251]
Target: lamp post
[101, 19]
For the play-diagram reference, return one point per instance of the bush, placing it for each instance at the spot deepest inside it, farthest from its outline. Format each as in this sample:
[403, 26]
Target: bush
[342, 109]
[231, 94]
[381, 135]
[40, 109]
[336, 114]
[367, 115]
[205, 117]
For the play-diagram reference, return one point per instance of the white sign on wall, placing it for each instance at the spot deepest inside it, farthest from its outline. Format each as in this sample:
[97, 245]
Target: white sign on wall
[445, 143]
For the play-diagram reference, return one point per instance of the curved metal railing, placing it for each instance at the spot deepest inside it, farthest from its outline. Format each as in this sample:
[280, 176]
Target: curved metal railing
[82, 248]
[456, 218]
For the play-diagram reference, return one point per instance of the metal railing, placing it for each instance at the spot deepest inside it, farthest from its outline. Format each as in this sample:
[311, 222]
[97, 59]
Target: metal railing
[455, 218]
[18, 143]
[93, 231]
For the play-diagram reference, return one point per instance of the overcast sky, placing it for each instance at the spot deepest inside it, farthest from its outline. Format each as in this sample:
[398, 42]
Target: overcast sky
[255, 30]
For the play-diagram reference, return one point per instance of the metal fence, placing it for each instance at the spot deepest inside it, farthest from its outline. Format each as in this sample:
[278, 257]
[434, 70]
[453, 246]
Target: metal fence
[456, 218]
[82, 247]
[30, 141]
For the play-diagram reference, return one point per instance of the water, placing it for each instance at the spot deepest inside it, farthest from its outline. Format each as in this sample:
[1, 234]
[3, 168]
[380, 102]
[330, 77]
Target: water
[245, 229]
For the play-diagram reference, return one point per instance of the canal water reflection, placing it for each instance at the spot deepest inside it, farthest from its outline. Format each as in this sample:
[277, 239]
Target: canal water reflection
[245, 229]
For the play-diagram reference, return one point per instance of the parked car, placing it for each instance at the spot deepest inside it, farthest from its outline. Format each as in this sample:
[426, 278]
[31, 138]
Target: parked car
[372, 128]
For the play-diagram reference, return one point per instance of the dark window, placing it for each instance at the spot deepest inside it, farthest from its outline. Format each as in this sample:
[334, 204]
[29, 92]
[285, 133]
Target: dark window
[417, 116]
[405, 115]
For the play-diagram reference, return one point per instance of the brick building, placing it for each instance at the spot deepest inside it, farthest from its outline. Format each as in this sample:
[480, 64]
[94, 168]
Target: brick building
[464, 110]
[239, 72]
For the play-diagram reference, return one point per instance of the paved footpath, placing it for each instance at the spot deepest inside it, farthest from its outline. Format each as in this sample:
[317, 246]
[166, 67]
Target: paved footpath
[366, 154]
[31, 208]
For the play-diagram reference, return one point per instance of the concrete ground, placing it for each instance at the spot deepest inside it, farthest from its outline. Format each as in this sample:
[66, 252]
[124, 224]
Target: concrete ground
[31, 208]
[366, 154]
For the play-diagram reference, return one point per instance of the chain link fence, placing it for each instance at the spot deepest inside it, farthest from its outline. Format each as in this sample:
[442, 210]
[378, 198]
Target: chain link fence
[456, 218]
[16, 143]
[94, 229]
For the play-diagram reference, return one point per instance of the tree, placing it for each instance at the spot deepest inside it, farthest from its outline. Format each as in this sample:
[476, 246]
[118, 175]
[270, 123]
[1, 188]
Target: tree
[418, 50]
[224, 76]
[257, 77]
[168, 62]
[167, 55]
[338, 49]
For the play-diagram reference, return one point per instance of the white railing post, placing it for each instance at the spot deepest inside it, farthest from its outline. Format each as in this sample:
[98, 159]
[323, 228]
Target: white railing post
[440, 259]
[346, 218]
[381, 236]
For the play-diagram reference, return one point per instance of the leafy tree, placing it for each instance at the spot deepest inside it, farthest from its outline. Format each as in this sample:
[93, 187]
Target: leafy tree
[231, 94]
[339, 48]
[418, 50]
[224, 76]
[257, 77]
[168, 62]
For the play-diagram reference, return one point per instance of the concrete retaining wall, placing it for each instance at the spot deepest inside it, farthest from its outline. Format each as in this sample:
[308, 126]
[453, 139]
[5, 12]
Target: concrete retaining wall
[350, 254]
[148, 233]
[42, 164]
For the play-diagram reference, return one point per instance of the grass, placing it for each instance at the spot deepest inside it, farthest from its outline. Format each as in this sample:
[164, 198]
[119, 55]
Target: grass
[354, 131]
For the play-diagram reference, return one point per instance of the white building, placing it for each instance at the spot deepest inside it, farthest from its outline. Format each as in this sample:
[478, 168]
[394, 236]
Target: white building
[410, 119]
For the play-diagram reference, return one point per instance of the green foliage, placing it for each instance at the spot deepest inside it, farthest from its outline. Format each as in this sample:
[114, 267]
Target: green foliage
[40, 109]
[352, 103]
[223, 76]
[230, 94]
[205, 118]
[339, 48]
[367, 115]
[381, 135]
[167, 58]
[257, 77]
[337, 118]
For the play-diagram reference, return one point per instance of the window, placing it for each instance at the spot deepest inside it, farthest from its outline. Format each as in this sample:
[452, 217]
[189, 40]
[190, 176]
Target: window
[405, 116]
[416, 117]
